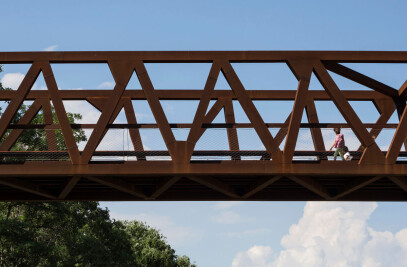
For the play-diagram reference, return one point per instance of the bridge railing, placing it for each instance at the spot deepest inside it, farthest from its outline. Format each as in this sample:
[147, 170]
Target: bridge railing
[117, 145]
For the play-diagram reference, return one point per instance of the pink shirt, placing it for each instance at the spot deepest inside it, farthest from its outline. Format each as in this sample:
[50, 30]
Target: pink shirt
[339, 141]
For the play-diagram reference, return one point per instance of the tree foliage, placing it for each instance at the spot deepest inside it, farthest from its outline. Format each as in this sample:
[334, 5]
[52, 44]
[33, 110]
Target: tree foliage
[78, 234]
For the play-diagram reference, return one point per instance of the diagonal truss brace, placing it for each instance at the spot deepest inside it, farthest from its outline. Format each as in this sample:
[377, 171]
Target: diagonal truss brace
[312, 185]
[118, 184]
[27, 187]
[214, 184]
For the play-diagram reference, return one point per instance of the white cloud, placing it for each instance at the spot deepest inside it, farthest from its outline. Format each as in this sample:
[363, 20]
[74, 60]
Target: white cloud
[176, 235]
[106, 85]
[227, 217]
[332, 234]
[222, 205]
[256, 256]
[224, 214]
[88, 112]
[51, 48]
[12, 80]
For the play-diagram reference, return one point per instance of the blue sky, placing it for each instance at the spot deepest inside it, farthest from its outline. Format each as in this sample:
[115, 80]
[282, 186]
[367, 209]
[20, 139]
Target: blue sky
[232, 233]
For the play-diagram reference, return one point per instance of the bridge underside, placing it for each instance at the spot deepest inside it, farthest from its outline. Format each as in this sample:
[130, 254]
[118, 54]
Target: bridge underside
[285, 160]
[233, 180]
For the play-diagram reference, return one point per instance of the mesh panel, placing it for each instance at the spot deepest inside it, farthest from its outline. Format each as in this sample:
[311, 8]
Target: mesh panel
[214, 144]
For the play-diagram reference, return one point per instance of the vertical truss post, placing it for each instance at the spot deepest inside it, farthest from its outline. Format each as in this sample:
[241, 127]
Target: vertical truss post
[48, 120]
[232, 132]
[302, 71]
[134, 133]
[196, 129]
[316, 133]
[398, 139]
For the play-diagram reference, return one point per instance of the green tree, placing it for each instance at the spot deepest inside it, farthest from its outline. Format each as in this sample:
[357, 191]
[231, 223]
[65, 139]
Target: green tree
[150, 247]
[78, 234]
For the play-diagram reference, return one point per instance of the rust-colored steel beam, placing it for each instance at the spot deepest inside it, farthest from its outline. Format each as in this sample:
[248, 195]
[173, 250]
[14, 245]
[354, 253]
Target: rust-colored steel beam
[180, 171]
[68, 186]
[204, 56]
[167, 94]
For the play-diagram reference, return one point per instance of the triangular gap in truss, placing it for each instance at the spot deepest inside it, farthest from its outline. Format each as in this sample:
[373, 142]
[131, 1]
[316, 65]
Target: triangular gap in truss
[134, 83]
[240, 115]
[383, 140]
[120, 140]
[211, 103]
[386, 136]
[314, 84]
[283, 142]
[40, 83]
[221, 83]
[24, 107]
[180, 76]
[81, 137]
[149, 132]
[3, 106]
[391, 74]
[152, 141]
[121, 117]
[77, 76]
[220, 118]
[13, 75]
[266, 76]
[344, 83]
[213, 138]
[273, 111]
[29, 139]
[328, 113]
[115, 140]
[89, 114]
[180, 112]
[366, 111]
[249, 140]
[25, 115]
[143, 111]
[304, 139]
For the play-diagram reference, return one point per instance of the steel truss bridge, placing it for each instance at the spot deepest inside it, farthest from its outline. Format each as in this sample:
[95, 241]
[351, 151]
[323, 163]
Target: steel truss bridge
[277, 171]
